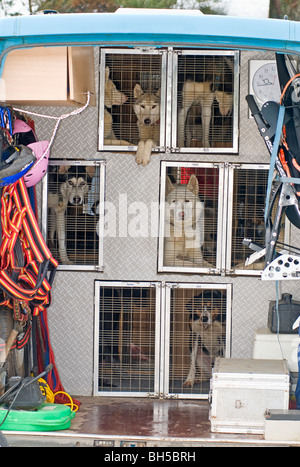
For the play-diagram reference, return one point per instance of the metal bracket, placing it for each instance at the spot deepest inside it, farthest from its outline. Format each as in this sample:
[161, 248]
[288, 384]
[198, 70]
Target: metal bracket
[285, 267]
[287, 196]
[259, 252]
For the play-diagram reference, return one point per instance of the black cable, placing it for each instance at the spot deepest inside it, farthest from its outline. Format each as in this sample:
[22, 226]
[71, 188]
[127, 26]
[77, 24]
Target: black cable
[13, 401]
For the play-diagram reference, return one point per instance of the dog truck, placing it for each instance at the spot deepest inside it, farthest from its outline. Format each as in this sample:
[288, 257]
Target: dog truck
[117, 329]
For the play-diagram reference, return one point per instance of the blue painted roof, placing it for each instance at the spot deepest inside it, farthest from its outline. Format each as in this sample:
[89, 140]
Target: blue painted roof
[158, 29]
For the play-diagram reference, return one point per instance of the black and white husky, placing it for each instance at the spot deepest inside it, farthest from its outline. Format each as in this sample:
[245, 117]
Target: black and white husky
[67, 185]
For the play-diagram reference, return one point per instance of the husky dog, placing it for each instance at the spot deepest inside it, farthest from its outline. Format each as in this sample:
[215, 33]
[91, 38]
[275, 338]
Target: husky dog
[208, 331]
[66, 186]
[203, 94]
[184, 224]
[111, 97]
[147, 110]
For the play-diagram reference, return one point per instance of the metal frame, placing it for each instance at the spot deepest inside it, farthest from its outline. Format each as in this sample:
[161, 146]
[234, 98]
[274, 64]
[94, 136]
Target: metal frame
[132, 284]
[221, 232]
[136, 51]
[166, 328]
[162, 335]
[102, 175]
[174, 145]
[231, 170]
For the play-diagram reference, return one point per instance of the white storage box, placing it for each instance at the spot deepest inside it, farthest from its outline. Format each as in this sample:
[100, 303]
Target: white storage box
[266, 345]
[282, 425]
[242, 390]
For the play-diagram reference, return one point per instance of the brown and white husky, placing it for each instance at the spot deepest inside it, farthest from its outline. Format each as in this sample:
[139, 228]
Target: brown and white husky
[147, 110]
[203, 94]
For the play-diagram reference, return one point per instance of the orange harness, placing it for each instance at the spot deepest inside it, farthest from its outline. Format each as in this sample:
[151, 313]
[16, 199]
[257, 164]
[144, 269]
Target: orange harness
[25, 259]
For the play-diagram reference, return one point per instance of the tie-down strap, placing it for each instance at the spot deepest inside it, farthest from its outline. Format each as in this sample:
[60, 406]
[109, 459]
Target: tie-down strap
[27, 267]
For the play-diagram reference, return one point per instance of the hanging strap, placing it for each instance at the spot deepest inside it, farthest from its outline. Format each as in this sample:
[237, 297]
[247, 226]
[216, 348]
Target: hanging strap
[30, 278]
[274, 156]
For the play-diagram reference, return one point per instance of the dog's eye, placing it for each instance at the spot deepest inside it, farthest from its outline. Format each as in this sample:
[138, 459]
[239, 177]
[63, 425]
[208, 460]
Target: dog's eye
[187, 201]
[153, 106]
[82, 184]
[70, 183]
[142, 106]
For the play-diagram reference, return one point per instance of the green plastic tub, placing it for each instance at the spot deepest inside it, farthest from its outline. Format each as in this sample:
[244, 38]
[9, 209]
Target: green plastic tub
[48, 417]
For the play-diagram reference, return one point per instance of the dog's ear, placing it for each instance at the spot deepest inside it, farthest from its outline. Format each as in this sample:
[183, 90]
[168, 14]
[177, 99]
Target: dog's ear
[158, 93]
[63, 169]
[107, 71]
[193, 184]
[169, 186]
[90, 171]
[137, 92]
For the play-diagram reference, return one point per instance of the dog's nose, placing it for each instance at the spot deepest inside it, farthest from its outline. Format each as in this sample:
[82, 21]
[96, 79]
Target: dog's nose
[204, 319]
[147, 121]
[181, 215]
[76, 200]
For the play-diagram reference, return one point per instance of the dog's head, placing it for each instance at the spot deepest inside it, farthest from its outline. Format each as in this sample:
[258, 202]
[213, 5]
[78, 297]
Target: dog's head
[183, 202]
[206, 308]
[146, 106]
[75, 182]
[112, 96]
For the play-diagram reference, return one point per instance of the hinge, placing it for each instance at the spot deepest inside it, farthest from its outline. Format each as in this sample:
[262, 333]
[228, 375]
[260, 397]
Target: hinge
[214, 271]
[172, 285]
[153, 395]
[234, 165]
[171, 396]
[147, 49]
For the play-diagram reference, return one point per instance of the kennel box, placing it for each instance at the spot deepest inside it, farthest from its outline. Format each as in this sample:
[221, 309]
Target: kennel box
[48, 76]
[242, 390]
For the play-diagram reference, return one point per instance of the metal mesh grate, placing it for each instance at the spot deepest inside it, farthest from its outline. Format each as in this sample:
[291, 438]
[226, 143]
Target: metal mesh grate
[191, 216]
[126, 339]
[250, 187]
[128, 78]
[198, 328]
[205, 101]
[73, 200]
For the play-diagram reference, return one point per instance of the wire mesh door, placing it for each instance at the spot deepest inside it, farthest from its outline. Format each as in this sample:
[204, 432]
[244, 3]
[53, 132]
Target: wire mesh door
[248, 187]
[127, 340]
[205, 101]
[73, 212]
[132, 98]
[198, 329]
[191, 213]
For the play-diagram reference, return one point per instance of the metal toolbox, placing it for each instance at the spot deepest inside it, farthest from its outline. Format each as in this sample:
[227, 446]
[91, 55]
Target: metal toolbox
[242, 390]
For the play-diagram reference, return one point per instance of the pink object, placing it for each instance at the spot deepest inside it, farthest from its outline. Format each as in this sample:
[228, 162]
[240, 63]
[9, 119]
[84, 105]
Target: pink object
[36, 173]
[38, 170]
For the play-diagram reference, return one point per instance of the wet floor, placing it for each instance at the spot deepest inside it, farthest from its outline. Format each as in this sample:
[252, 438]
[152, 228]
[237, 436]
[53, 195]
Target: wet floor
[148, 418]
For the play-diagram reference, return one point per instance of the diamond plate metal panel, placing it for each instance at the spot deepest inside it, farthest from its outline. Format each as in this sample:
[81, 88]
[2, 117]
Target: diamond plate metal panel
[131, 254]
[71, 330]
